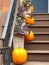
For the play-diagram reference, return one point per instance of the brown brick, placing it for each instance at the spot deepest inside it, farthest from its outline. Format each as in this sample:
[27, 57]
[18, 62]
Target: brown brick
[6, 3]
[1, 5]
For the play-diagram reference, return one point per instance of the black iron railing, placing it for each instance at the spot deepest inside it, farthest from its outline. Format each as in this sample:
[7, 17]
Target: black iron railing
[8, 31]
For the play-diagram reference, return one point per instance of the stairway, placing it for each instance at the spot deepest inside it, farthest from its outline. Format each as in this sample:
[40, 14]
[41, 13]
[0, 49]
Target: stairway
[38, 49]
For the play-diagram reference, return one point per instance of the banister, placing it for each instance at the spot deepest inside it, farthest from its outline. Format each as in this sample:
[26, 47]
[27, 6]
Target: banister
[13, 26]
[6, 26]
[7, 21]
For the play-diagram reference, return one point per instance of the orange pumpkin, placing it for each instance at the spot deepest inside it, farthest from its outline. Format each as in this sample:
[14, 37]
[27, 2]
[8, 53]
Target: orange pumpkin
[31, 8]
[30, 36]
[29, 20]
[19, 55]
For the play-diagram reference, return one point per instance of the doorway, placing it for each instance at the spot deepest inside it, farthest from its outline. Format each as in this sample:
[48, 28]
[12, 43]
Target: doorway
[40, 6]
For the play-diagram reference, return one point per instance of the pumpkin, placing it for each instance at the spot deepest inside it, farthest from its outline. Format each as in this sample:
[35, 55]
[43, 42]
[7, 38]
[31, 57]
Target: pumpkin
[19, 55]
[29, 37]
[31, 8]
[29, 20]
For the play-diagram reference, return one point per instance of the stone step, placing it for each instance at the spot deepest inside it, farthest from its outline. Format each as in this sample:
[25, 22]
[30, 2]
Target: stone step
[44, 42]
[41, 33]
[41, 26]
[41, 37]
[40, 16]
[36, 46]
[34, 63]
[38, 57]
[39, 29]
[38, 51]
[41, 22]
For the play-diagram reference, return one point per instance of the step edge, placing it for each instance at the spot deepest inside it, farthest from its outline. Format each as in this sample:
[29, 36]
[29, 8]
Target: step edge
[41, 19]
[38, 13]
[37, 51]
[37, 42]
[34, 26]
[41, 33]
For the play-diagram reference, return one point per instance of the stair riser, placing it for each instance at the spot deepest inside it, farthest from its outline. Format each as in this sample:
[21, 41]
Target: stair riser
[39, 29]
[38, 57]
[41, 37]
[32, 46]
[39, 22]
[41, 17]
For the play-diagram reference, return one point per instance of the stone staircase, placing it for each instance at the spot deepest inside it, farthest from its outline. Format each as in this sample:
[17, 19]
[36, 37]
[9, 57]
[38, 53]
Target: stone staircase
[38, 49]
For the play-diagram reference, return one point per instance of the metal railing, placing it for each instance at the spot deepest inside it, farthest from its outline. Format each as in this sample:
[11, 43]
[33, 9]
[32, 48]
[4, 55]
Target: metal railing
[13, 26]
[8, 31]
[7, 22]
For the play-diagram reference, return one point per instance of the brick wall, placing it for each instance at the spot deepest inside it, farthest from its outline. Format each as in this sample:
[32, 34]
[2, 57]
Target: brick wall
[4, 5]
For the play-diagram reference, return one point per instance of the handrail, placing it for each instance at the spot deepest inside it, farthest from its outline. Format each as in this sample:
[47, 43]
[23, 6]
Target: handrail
[6, 25]
[7, 21]
[13, 26]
